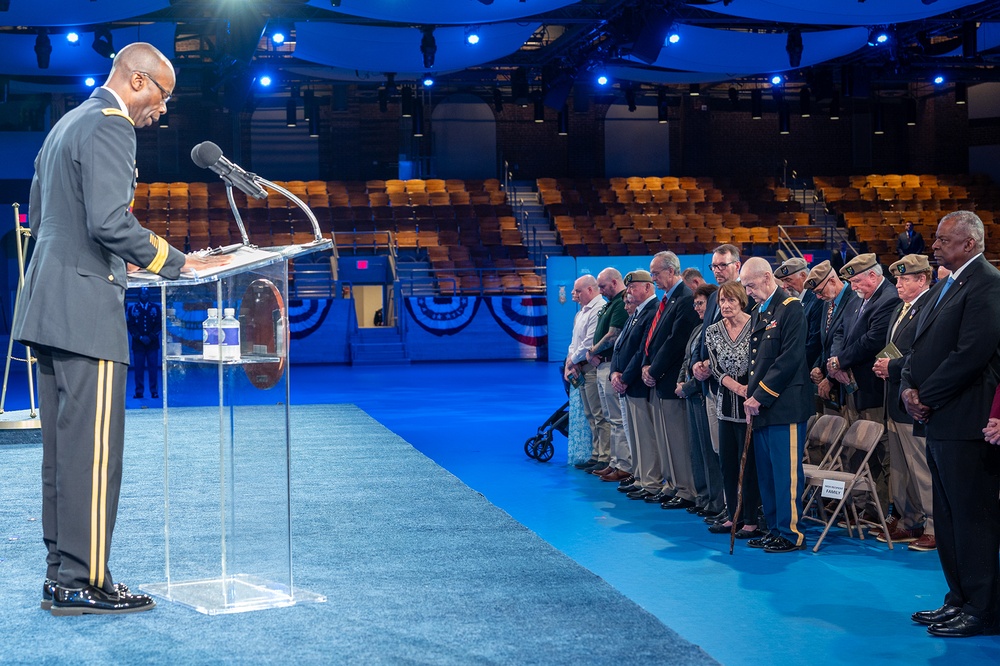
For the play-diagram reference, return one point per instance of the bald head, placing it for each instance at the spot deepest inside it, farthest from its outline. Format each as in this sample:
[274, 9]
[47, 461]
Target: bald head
[144, 79]
[758, 279]
[585, 289]
[609, 281]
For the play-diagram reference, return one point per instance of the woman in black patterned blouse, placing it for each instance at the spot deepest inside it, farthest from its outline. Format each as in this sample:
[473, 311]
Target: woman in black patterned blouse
[728, 343]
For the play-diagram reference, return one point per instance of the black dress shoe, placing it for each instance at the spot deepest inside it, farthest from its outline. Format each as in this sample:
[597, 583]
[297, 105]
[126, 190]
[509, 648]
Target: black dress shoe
[722, 515]
[748, 534]
[781, 545]
[628, 489]
[49, 589]
[694, 510]
[627, 481]
[720, 528]
[95, 601]
[585, 464]
[677, 503]
[760, 542]
[639, 494]
[936, 616]
[137, 396]
[658, 498]
[154, 395]
[596, 467]
[709, 511]
[963, 625]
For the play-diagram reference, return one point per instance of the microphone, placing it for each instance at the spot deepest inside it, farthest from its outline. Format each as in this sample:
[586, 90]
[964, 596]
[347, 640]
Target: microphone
[207, 155]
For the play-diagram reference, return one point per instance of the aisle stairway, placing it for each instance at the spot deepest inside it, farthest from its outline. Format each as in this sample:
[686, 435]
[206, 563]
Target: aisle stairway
[536, 230]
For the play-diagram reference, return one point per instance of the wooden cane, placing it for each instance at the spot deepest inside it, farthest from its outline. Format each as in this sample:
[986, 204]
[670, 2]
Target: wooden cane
[739, 485]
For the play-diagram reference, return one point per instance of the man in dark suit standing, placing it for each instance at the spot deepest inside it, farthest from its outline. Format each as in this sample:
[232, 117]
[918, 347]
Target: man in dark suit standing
[861, 335]
[792, 275]
[837, 296]
[909, 476]
[664, 353]
[778, 404]
[948, 383]
[909, 242]
[840, 257]
[73, 315]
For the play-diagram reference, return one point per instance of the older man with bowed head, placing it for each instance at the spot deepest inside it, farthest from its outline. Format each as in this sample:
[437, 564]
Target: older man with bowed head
[73, 315]
[610, 321]
[909, 476]
[626, 379]
[837, 296]
[792, 275]
[948, 383]
[577, 368]
[777, 405]
[663, 353]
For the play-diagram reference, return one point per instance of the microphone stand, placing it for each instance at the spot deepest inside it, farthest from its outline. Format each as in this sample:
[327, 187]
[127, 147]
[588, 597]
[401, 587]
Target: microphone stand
[317, 234]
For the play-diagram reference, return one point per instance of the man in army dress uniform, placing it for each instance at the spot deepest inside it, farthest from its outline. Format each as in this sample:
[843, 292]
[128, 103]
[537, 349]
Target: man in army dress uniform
[73, 316]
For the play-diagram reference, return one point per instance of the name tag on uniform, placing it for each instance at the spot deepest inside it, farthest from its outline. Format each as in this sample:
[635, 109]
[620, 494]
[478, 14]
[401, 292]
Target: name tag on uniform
[833, 489]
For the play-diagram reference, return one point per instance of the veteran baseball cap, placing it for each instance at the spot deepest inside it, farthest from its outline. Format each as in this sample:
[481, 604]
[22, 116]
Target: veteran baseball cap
[818, 275]
[790, 267]
[858, 265]
[637, 276]
[911, 263]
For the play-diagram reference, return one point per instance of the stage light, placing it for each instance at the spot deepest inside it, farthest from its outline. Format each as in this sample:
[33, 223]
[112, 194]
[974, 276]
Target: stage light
[90, 82]
[43, 48]
[961, 92]
[266, 80]
[835, 106]
[910, 106]
[938, 80]
[313, 119]
[878, 36]
[630, 98]
[563, 121]
[878, 119]
[694, 89]
[291, 113]
[602, 79]
[793, 46]
[777, 80]
[428, 45]
[472, 35]
[418, 118]
[73, 37]
[539, 110]
[164, 121]
[103, 43]
[406, 102]
[674, 37]
[661, 106]
[784, 119]
[805, 103]
[428, 82]
[279, 35]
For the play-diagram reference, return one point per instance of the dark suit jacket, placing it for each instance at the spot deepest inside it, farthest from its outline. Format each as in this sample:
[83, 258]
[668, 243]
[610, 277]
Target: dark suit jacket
[954, 361]
[666, 350]
[74, 289]
[903, 339]
[627, 355]
[778, 371]
[906, 245]
[837, 262]
[859, 339]
[815, 312]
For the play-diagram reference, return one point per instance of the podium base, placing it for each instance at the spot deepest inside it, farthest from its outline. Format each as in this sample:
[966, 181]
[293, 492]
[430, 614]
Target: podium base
[233, 594]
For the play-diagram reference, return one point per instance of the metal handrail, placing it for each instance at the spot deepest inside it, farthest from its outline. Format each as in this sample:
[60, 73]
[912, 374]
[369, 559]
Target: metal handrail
[408, 284]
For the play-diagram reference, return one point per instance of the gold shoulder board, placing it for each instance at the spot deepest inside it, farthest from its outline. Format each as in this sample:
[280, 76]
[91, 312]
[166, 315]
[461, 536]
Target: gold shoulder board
[117, 112]
[789, 300]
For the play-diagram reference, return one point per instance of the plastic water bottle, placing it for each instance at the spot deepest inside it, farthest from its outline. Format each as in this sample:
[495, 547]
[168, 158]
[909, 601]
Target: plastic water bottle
[210, 336]
[229, 343]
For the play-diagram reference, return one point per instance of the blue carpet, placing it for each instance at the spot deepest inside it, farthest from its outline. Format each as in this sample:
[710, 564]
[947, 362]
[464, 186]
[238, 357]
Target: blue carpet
[417, 567]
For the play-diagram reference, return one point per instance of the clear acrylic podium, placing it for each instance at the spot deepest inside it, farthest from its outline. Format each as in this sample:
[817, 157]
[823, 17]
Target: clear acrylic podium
[226, 466]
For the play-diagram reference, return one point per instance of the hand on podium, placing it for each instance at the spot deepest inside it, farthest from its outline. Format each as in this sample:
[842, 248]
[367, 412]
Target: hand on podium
[200, 261]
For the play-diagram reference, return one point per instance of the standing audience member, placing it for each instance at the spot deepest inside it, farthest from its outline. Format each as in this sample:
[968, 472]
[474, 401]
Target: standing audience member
[692, 278]
[948, 384]
[663, 354]
[792, 275]
[577, 369]
[837, 297]
[909, 476]
[704, 460]
[861, 335]
[624, 471]
[610, 321]
[840, 257]
[728, 344]
[778, 404]
[626, 376]
[909, 242]
[144, 326]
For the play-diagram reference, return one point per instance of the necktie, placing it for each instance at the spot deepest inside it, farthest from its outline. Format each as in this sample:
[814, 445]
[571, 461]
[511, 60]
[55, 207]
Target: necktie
[829, 314]
[861, 310]
[656, 320]
[902, 314]
[944, 290]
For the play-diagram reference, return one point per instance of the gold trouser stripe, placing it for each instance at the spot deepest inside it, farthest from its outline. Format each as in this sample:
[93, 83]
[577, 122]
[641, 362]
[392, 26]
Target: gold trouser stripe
[162, 250]
[764, 386]
[793, 456]
[99, 481]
